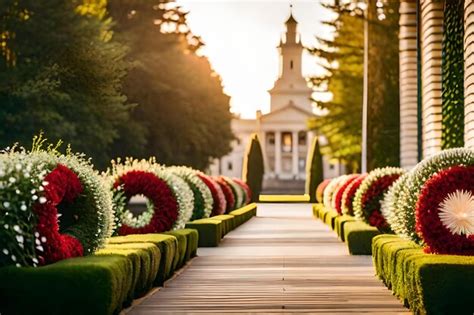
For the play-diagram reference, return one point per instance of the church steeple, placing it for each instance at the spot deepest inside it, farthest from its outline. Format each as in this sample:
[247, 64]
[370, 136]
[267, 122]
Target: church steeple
[291, 86]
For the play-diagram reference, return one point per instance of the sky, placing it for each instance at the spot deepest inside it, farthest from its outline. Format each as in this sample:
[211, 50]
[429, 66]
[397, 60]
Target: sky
[241, 37]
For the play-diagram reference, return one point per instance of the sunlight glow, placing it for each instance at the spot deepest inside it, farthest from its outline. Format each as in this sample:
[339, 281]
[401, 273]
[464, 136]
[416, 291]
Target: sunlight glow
[241, 38]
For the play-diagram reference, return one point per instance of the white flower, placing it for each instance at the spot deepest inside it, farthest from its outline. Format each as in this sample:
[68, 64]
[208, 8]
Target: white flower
[42, 200]
[40, 248]
[456, 212]
[23, 207]
[17, 228]
[6, 204]
[43, 239]
[19, 239]
[13, 258]
[5, 251]
[34, 197]
[6, 226]
[12, 180]
[18, 166]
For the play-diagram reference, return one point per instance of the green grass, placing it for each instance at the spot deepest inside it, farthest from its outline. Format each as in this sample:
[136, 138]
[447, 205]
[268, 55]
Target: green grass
[429, 284]
[85, 285]
[284, 198]
[210, 231]
[358, 236]
[192, 239]
[167, 244]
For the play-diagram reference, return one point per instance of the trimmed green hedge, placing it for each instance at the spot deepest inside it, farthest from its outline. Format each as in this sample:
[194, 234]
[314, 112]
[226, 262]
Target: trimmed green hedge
[244, 214]
[428, 284]
[330, 218]
[210, 231]
[228, 222]
[167, 244]
[358, 236]
[192, 240]
[85, 285]
[340, 222]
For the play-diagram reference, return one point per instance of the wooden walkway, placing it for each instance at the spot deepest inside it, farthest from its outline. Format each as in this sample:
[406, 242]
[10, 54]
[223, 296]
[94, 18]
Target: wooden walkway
[282, 261]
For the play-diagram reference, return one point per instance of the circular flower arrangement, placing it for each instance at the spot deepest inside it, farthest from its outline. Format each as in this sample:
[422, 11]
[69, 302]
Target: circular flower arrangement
[168, 198]
[320, 190]
[337, 199]
[420, 174]
[390, 207]
[53, 207]
[368, 198]
[229, 195]
[246, 190]
[203, 201]
[220, 203]
[237, 191]
[445, 212]
[330, 190]
[349, 194]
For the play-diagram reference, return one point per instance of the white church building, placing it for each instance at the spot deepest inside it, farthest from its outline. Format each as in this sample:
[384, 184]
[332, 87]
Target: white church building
[282, 132]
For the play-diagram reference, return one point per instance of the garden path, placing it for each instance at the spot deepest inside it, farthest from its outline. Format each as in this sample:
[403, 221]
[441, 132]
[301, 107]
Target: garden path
[281, 261]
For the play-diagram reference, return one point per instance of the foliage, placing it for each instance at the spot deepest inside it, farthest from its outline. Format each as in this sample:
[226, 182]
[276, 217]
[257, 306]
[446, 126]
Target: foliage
[314, 170]
[61, 72]
[343, 60]
[40, 186]
[453, 75]
[180, 100]
[253, 168]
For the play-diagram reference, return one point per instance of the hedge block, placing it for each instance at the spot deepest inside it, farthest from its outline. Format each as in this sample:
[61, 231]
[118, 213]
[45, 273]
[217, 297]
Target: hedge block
[427, 283]
[358, 236]
[84, 285]
[245, 213]
[330, 218]
[316, 209]
[228, 222]
[150, 257]
[192, 239]
[167, 244]
[210, 231]
[340, 222]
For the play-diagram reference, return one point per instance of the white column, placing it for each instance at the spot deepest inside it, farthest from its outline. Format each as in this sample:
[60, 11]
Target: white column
[295, 153]
[277, 153]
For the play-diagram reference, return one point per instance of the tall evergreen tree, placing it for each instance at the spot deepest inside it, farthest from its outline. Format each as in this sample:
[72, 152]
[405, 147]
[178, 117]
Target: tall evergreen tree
[253, 167]
[60, 72]
[180, 101]
[314, 170]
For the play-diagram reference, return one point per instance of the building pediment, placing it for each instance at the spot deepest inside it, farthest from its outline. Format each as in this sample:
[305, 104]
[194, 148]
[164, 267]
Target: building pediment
[287, 114]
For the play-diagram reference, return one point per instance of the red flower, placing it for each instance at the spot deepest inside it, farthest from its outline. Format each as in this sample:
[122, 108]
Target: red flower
[246, 188]
[229, 195]
[220, 203]
[437, 237]
[157, 191]
[349, 194]
[63, 187]
[371, 201]
[320, 190]
[338, 194]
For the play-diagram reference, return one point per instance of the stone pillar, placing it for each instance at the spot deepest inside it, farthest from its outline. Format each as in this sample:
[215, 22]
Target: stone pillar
[295, 152]
[408, 85]
[277, 153]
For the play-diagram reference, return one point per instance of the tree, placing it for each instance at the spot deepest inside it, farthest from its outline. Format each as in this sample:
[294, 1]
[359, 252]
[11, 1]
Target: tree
[180, 100]
[343, 59]
[253, 168]
[61, 72]
[314, 169]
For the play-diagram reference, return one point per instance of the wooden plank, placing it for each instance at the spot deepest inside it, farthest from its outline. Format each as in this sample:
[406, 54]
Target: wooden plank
[282, 261]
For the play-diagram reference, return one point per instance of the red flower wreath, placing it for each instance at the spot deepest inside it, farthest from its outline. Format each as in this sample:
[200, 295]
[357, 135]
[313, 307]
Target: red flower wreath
[439, 238]
[229, 195]
[158, 192]
[338, 195]
[349, 194]
[246, 188]
[220, 203]
[371, 201]
[63, 187]
[320, 190]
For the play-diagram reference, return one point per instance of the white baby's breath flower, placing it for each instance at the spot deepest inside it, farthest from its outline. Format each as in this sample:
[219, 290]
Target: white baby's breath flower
[16, 228]
[456, 212]
[5, 251]
[23, 207]
[6, 204]
[42, 200]
[20, 239]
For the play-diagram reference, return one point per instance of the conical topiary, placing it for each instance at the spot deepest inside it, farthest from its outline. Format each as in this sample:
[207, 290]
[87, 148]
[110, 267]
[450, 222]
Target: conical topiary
[253, 169]
[314, 169]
